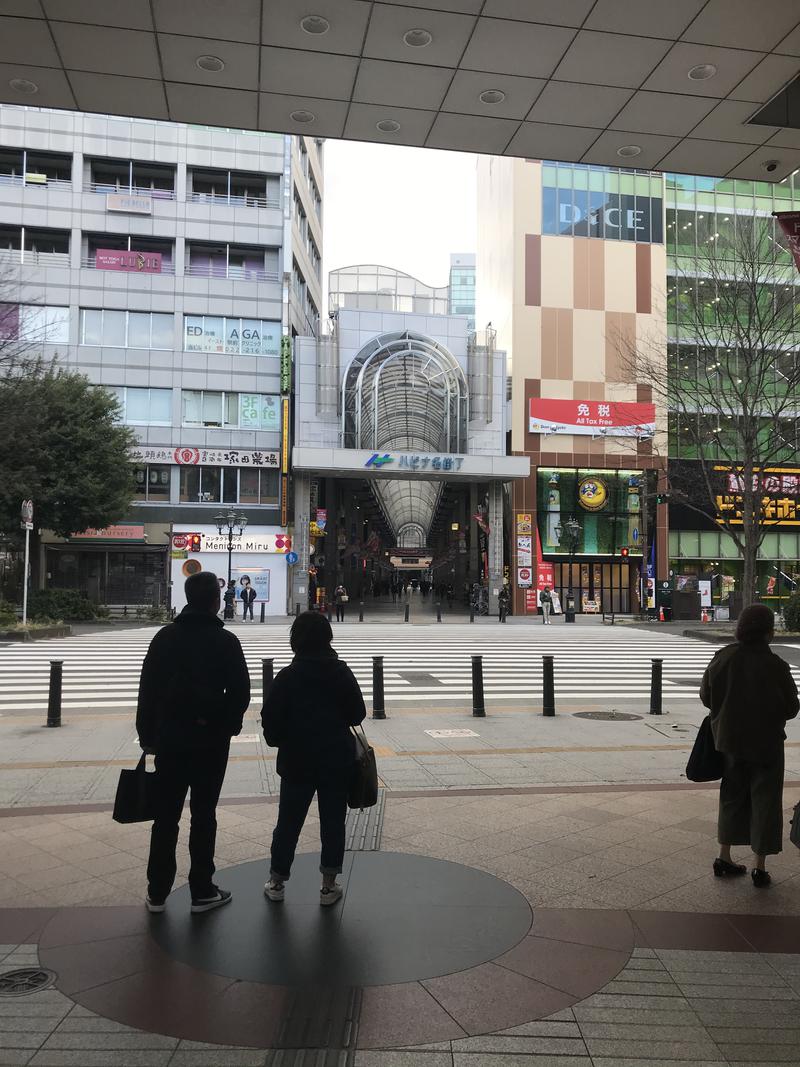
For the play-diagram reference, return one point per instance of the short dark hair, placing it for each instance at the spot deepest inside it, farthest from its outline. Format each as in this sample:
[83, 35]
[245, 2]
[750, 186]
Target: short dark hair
[310, 632]
[756, 623]
[202, 590]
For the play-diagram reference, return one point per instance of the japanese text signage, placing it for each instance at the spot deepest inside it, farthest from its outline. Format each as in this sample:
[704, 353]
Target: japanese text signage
[211, 457]
[286, 364]
[246, 543]
[414, 462]
[131, 203]
[111, 533]
[598, 418]
[780, 495]
[136, 262]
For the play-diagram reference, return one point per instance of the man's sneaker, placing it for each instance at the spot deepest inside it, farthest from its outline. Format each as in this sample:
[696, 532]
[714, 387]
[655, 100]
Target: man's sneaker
[216, 900]
[154, 906]
[330, 894]
[274, 891]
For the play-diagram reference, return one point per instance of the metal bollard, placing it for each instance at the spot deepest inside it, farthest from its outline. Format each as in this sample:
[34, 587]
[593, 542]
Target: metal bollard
[478, 704]
[472, 614]
[655, 686]
[54, 694]
[361, 611]
[378, 709]
[438, 612]
[297, 609]
[407, 612]
[328, 614]
[548, 687]
[266, 677]
[263, 611]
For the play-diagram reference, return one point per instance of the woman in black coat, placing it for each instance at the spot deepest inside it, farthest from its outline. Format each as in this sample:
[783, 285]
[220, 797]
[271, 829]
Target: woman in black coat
[307, 716]
[750, 693]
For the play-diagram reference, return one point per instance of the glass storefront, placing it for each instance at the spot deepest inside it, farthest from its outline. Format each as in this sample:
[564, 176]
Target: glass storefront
[133, 576]
[597, 587]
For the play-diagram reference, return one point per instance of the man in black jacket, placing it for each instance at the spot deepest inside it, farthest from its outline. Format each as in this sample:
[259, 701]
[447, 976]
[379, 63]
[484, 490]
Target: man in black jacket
[193, 693]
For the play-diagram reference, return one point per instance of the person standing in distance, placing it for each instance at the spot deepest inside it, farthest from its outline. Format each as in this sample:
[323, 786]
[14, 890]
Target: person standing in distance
[193, 693]
[248, 595]
[340, 597]
[307, 716]
[546, 598]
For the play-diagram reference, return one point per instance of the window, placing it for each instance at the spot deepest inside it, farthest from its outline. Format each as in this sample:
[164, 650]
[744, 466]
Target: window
[247, 337]
[34, 323]
[228, 485]
[152, 483]
[120, 176]
[249, 411]
[145, 407]
[127, 329]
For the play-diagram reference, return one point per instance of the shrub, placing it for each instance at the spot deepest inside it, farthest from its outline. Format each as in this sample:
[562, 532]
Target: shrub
[8, 614]
[64, 604]
[791, 612]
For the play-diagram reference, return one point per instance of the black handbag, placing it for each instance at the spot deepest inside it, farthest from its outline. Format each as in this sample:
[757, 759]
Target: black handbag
[705, 763]
[136, 797]
[363, 791]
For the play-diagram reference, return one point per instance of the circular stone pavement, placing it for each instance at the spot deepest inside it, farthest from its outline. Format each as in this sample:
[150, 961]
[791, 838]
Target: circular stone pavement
[403, 918]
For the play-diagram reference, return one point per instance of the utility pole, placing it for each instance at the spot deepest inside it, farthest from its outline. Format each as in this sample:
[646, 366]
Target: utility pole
[26, 523]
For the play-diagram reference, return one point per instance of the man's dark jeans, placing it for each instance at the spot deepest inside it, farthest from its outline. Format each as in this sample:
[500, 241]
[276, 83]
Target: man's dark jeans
[295, 801]
[201, 773]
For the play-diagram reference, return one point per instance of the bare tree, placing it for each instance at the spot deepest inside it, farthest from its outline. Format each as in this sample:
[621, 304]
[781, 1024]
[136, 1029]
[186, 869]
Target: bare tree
[24, 325]
[730, 379]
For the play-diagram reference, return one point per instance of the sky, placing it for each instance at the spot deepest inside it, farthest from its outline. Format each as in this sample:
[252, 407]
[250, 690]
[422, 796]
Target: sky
[407, 208]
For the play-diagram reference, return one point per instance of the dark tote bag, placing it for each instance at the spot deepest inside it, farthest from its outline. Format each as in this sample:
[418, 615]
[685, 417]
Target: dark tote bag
[705, 763]
[135, 799]
[363, 791]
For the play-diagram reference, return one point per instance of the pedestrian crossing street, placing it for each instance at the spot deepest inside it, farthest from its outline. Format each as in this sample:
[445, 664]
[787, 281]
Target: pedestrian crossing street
[423, 666]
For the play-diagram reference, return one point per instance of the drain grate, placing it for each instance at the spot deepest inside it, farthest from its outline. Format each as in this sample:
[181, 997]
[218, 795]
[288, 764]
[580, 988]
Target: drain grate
[26, 980]
[607, 716]
[363, 829]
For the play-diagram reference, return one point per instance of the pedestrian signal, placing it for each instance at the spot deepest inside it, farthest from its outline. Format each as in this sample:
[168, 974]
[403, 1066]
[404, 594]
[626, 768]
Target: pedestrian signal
[625, 552]
[194, 543]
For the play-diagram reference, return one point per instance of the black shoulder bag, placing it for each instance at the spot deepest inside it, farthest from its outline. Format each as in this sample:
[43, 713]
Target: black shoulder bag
[363, 791]
[135, 800]
[705, 763]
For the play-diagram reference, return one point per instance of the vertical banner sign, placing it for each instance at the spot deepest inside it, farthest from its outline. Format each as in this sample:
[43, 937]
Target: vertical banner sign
[286, 365]
[285, 461]
[790, 224]
[545, 572]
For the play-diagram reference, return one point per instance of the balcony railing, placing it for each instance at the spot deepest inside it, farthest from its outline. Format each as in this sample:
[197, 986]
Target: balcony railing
[220, 270]
[167, 267]
[222, 199]
[31, 258]
[126, 190]
[19, 179]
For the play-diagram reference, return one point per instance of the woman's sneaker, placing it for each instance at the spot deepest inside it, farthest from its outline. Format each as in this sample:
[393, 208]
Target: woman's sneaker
[330, 894]
[216, 900]
[274, 891]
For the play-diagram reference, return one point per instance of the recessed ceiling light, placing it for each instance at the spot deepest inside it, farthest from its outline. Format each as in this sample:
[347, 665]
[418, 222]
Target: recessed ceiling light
[213, 64]
[316, 25]
[417, 38]
[22, 85]
[387, 126]
[702, 72]
[302, 116]
[492, 96]
[629, 150]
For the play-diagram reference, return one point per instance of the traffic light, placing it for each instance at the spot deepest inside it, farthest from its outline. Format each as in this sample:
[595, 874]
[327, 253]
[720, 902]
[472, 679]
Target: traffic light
[194, 542]
[625, 552]
[662, 498]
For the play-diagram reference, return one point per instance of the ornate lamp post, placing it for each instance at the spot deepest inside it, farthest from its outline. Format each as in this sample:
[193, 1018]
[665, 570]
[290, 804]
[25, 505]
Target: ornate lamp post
[569, 534]
[230, 522]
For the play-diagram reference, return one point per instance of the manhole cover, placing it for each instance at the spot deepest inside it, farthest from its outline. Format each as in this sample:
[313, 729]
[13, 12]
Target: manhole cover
[24, 981]
[606, 716]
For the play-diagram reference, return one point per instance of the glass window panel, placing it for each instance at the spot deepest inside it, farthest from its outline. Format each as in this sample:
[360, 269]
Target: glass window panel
[209, 483]
[709, 544]
[233, 335]
[250, 411]
[193, 333]
[138, 329]
[114, 329]
[212, 409]
[91, 327]
[248, 486]
[140, 481]
[119, 393]
[161, 331]
[161, 406]
[57, 328]
[250, 337]
[137, 405]
[229, 484]
[690, 540]
[213, 334]
[158, 479]
[270, 482]
[270, 413]
[231, 409]
[191, 406]
[190, 484]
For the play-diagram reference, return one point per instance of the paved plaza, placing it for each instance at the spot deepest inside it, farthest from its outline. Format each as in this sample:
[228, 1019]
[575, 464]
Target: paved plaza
[531, 891]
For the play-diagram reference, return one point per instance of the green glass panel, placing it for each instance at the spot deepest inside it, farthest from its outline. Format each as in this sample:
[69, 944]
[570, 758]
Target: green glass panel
[580, 179]
[769, 547]
[626, 184]
[725, 201]
[709, 544]
[674, 543]
[744, 188]
[689, 544]
[706, 198]
[641, 184]
[727, 547]
[596, 178]
[548, 175]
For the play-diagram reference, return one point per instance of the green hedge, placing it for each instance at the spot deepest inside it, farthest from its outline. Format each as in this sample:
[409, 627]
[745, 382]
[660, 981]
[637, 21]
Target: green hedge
[8, 614]
[791, 613]
[66, 604]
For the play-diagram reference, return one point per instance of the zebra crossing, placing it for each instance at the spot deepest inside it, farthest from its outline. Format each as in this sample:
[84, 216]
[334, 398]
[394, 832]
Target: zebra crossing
[423, 667]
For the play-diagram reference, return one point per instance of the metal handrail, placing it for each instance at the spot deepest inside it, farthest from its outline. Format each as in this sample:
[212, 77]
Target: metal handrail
[44, 259]
[235, 201]
[220, 270]
[19, 179]
[137, 190]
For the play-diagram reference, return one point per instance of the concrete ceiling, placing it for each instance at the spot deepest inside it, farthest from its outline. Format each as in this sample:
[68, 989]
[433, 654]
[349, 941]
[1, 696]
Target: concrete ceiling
[573, 80]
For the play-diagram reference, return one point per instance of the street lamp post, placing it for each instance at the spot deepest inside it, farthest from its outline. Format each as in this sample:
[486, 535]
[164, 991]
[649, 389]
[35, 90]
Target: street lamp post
[230, 522]
[569, 533]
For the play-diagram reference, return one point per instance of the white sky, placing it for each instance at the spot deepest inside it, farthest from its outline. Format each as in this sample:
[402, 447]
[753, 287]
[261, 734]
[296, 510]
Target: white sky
[407, 208]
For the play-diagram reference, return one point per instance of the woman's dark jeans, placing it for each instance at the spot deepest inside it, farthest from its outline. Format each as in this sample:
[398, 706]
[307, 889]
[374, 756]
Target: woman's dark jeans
[295, 800]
